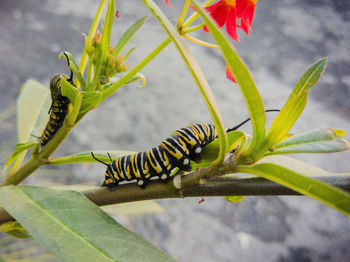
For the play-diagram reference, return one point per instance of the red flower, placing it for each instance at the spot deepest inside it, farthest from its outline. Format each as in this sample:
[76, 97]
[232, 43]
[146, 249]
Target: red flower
[224, 12]
[229, 74]
[228, 11]
[245, 11]
[167, 2]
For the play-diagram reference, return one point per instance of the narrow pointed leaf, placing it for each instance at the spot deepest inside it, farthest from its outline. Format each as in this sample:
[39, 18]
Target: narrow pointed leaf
[137, 77]
[297, 165]
[86, 157]
[325, 140]
[328, 195]
[196, 73]
[243, 78]
[107, 28]
[128, 35]
[295, 103]
[68, 90]
[73, 228]
[128, 53]
[74, 67]
[20, 147]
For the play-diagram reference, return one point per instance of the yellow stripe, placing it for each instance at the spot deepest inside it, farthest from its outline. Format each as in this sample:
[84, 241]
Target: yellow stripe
[166, 159]
[198, 132]
[190, 141]
[184, 147]
[147, 174]
[133, 164]
[158, 170]
[177, 155]
[128, 172]
[121, 174]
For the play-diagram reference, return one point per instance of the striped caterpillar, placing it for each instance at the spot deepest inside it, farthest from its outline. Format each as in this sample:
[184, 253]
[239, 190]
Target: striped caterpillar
[176, 151]
[59, 107]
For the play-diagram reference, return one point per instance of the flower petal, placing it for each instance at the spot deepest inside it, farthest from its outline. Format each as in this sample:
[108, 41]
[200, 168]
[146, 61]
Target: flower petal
[248, 15]
[231, 24]
[241, 6]
[229, 74]
[167, 2]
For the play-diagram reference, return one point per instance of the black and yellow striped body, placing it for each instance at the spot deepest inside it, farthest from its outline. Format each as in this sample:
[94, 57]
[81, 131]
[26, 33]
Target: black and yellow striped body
[58, 109]
[176, 151]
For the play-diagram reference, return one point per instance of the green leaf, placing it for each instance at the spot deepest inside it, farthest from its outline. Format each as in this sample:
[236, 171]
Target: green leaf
[128, 53]
[137, 77]
[73, 228]
[74, 67]
[210, 152]
[197, 75]
[234, 199]
[243, 78]
[295, 104]
[107, 29]
[328, 195]
[324, 140]
[20, 147]
[296, 165]
[86, 157]
[128, 35]
[68, 90]
[14, 229]
[90, 100]
[33, 104]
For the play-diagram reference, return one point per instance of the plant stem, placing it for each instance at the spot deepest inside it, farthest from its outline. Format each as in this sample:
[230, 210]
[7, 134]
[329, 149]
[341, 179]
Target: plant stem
[200, 42]
[218, 186]
[37, 160]
[191, 29]
[183, 14]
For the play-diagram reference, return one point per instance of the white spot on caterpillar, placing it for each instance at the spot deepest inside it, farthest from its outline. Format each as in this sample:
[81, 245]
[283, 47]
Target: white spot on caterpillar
[198, 150]
[140, 182]
[163, 177]
[186, 161]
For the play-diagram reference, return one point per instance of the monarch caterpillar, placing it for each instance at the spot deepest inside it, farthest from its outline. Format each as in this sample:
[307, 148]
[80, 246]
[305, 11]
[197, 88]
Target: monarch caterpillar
[59, 106]
[176, 151]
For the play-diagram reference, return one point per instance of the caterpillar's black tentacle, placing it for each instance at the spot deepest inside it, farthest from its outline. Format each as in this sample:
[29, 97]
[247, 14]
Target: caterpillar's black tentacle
[92, 154]
[70, 79]
[247, 120]
[177, 151]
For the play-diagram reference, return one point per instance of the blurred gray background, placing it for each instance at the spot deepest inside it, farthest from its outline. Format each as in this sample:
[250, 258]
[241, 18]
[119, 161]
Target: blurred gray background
[288, 36]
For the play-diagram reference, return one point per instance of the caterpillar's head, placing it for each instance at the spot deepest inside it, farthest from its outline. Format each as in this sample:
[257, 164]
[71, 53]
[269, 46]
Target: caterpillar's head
[55, 86]
[110, 179]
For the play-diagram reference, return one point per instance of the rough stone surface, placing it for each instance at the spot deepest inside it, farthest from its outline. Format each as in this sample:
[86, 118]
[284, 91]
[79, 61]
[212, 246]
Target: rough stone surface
[288, 37]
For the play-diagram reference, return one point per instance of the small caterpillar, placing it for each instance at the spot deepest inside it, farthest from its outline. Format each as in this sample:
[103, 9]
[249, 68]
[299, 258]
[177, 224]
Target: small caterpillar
[59, 107]
[176, 151]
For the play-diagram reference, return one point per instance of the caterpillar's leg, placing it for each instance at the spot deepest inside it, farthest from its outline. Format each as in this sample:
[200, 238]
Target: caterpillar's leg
[165, 176]
[112, 187]
[142, 183]
[185, 164]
